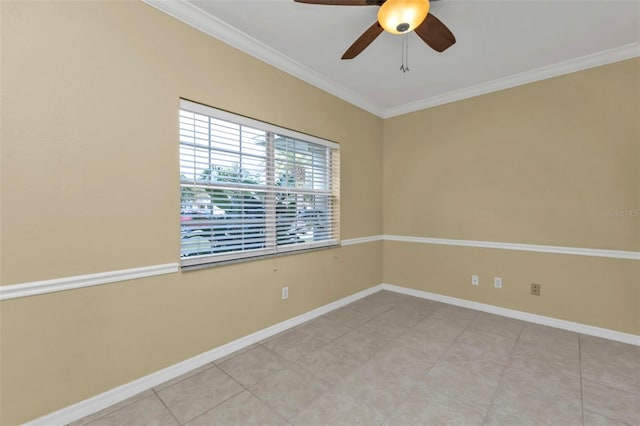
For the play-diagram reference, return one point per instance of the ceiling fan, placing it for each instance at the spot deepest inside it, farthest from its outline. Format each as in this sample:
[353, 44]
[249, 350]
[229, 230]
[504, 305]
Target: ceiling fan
[396, 17]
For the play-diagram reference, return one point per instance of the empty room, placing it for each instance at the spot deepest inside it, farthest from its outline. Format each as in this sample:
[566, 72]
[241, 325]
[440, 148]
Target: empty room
[320, 212]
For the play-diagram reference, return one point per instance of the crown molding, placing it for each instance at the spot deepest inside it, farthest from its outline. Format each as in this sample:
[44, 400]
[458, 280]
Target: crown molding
[561, 68]
[211, 25]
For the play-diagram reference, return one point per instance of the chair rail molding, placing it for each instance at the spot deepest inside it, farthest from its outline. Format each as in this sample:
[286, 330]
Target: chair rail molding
[78, 281]
[577, 251]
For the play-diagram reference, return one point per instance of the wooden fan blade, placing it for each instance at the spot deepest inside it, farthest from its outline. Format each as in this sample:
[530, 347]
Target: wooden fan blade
[363, 41]
[343, 2]
[435, 34]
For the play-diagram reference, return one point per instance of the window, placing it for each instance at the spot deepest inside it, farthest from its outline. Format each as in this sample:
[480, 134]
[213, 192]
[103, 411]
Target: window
[251, 189]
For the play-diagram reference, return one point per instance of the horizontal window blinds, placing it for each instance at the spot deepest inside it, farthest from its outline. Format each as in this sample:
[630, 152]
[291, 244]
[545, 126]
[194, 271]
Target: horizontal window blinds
[251, 189]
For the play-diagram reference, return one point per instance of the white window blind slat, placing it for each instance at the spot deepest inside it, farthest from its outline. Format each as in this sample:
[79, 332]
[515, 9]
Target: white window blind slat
[251, 189]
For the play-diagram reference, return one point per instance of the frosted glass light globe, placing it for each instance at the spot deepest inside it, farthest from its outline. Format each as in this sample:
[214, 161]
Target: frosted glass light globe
[402, 16]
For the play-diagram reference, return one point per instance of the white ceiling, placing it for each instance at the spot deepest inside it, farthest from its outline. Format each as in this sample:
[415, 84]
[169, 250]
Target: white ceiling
[500, 44]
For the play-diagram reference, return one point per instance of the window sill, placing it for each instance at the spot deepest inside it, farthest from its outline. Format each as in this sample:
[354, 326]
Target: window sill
[188, 268]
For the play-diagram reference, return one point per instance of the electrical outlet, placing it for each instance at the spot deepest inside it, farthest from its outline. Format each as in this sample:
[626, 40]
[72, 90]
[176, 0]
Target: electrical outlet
[535, 289]
[285, 293]
[475, 280]
[497, 282]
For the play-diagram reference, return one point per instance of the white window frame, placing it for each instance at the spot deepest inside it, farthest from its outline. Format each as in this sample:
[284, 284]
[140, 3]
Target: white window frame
[272, 248]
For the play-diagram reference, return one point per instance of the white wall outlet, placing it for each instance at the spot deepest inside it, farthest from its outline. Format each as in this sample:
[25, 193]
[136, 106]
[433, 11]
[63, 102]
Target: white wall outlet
[475, 280]
[285, 293]
[497, 282]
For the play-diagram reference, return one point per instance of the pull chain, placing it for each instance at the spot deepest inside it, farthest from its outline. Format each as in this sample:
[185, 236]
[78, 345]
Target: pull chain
[405, 53]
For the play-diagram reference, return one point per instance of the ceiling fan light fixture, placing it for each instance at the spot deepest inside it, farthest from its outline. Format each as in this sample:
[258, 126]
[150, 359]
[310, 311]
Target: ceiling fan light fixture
[402, 16]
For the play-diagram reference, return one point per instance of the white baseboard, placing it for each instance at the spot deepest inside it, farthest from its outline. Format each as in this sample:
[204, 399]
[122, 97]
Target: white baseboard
[590, 330]
[113, 396]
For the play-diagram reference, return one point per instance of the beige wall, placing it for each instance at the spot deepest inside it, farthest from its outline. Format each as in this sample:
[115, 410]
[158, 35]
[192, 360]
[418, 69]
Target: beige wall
[589, 290]
[89, 184]
[546, 163]
[90, 95]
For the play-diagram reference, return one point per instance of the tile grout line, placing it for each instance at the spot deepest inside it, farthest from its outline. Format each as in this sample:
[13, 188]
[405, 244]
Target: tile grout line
[165, 405]
[451, 344]
[218, 404]
[79, 421]
[335, 386]
[328, 342]
[509, 361]
[245, 387]
[387, 416]
[133, 400]
[267, 404]
[439, 358]
[294, 365]
[343, 351]
[266, 377]
[581, 382]
[580, 337]
[289, 421]
[248, 389]
[187, 376]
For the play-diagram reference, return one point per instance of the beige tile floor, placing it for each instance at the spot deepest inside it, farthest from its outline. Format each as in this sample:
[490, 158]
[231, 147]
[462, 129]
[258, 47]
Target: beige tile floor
[391, 359]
